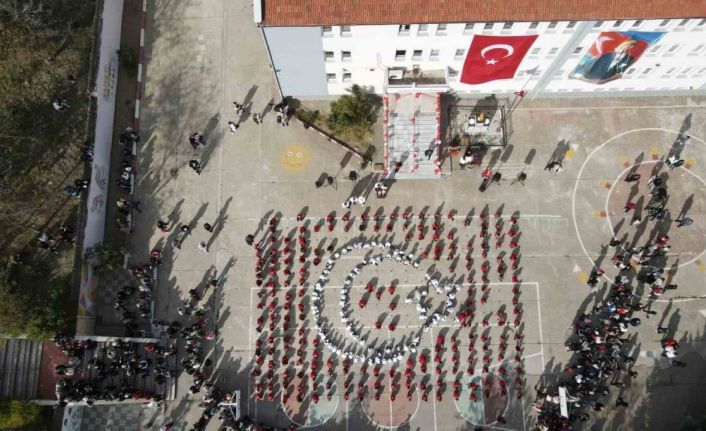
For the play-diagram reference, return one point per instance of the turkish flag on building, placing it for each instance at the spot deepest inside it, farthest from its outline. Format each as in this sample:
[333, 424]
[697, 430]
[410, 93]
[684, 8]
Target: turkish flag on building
[494, 57]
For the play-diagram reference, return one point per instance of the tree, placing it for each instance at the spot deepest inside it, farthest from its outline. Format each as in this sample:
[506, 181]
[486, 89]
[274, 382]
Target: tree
[354, 113]
[16, 414]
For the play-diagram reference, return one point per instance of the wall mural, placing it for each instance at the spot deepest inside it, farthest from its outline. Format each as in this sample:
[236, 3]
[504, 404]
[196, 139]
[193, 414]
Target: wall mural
[612, 54]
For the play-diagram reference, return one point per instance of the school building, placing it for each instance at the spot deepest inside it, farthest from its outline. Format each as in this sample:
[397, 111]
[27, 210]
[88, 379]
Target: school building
[544, 47]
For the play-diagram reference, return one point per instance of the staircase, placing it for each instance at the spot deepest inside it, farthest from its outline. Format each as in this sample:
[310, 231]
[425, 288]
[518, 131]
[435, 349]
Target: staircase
[408, 138]
[144, 384]
[411, 128]
[19, 368]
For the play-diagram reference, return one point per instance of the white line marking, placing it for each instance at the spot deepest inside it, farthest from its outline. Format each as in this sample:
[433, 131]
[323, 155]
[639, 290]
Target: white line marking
[250, 346]
[539, 320]
[433, 397]
[142, 38]
[610, 223]
[139, 73]
[429, 218]
[603, 108]
[137, 108]
[578, 178]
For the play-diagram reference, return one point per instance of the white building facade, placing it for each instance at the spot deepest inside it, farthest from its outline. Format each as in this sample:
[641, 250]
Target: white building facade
[319, 61]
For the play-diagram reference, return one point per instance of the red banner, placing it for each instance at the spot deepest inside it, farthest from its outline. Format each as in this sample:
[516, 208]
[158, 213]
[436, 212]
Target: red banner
[494, 57]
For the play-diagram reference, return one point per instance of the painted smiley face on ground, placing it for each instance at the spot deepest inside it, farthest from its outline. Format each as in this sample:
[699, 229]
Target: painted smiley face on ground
[294, 157]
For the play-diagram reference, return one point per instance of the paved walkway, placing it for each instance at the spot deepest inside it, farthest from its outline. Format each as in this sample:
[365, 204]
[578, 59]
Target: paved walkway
[203, 55]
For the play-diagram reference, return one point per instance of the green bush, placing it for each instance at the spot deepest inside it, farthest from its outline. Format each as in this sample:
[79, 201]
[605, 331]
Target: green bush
[17, 414]
[354, 114]
[37, 316]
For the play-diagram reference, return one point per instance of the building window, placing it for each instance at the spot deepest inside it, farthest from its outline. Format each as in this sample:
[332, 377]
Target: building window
[578, 50]
[535, 51]
[459, 54]
[404, 28]
[331, 77]
[423, 28]
[702, 22]
[630, 71]
[345, 56]
[618, 23]
[672, 49]
[553, 51]
[637, 23]
[434, 55]
[647, 70]
[347, 77]
[533, 25]
[553, 24]
[327, 31]
[453, 73]
[571, 24]
[417, 54]
[441, 29]
[664, 22]
[345, 30]
[698, 48]
[702, 70]
[598, 24]
[468, 28]
[669, 72]
[328, 55]
[683, 22]
[488, 26]
[686, 70]
[400, 55]
[508, 26]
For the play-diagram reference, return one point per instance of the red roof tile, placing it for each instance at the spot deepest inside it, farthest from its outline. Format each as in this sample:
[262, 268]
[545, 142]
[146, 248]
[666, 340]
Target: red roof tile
[337, 12]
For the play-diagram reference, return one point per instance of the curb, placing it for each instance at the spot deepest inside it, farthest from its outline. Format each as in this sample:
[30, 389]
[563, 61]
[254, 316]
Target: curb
[330, 138]
[140, 69]
[136, 120]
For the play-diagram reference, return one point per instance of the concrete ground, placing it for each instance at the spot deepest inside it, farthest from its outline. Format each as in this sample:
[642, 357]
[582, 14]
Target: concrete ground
[203, 55]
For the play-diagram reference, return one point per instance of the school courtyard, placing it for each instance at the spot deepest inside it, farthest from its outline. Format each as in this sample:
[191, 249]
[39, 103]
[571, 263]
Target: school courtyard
[203, 55]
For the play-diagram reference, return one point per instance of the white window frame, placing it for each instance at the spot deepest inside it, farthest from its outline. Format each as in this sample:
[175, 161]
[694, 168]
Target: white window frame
[346, 31]
[326, 31]
[664, 23]
[417, 54]
[460, 56]
[488, 26]
[402, 57]
[345, 57]
[441, 29]
[404, 29]
[553, 51]
[533, 25]
[507, 25]
[434, 54]
[423, 31]
[329, 56]
[468, 28]
[330, 77]
[346, 79]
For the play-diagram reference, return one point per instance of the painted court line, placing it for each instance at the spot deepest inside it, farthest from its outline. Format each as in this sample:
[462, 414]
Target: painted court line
[433, 398]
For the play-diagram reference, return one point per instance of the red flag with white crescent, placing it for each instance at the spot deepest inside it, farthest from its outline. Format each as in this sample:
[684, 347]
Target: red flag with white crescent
[494, 57]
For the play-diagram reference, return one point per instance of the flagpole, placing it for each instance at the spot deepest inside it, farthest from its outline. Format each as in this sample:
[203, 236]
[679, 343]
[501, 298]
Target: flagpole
[518, 94]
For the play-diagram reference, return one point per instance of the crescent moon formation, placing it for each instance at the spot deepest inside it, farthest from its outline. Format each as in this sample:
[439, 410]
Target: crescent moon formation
[510, 50]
